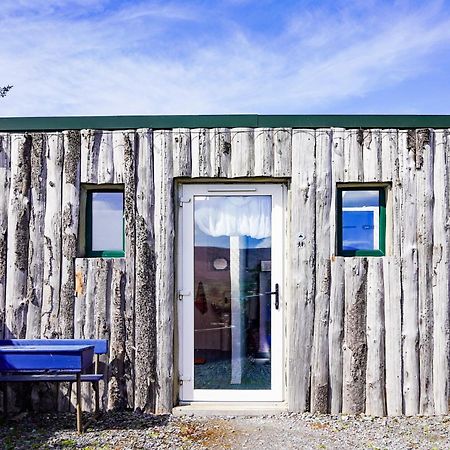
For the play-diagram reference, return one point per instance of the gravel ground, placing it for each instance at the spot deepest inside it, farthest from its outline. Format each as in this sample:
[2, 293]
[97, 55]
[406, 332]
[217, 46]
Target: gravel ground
[126, 430]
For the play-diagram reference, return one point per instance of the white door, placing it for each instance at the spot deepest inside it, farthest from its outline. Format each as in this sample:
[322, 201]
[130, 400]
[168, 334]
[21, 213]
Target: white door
[230, 272]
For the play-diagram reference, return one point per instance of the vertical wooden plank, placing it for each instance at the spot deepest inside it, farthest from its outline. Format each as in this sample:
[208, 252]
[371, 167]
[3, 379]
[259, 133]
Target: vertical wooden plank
[118, 147]
[375, 374]
[81, 310]
[50, 325]
[302, 269]
[117, 381]
[5, 178]
[282, 150]
[105, 165]
[164, 246]
[425, 199]
[264, 152]
[70, 215]
[355, 347]
[36, 244]
[221, 152]
[388, 153]
[336, 332]
[129, 139]
[353, 155]
[201, 152]
[242, 152]
[372, 159]
[145, 301]
[181, 152]
[18, 236]
[441, 282]
[320, 363]
[90, 148]
[407, 150]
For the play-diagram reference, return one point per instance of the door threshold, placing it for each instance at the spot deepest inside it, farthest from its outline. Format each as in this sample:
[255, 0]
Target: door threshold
[229, 408]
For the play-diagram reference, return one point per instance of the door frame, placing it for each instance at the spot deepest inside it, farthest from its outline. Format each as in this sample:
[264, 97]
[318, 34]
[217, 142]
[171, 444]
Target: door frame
[185, 291]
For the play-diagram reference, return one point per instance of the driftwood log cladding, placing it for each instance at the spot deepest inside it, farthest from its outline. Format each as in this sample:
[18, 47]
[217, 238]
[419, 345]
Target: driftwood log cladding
[363, 334]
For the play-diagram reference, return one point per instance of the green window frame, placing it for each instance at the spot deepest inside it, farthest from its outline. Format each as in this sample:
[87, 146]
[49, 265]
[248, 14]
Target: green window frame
[381, 251]
[89, 223]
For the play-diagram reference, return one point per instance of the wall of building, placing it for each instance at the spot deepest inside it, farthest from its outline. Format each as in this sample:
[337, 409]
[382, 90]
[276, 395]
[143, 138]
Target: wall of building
[364, 334]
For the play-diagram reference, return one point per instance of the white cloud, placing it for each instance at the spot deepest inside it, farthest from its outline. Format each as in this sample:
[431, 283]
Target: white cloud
[163, 58]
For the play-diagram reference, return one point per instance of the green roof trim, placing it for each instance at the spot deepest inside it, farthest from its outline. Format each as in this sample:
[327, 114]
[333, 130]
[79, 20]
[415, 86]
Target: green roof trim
[222, 121]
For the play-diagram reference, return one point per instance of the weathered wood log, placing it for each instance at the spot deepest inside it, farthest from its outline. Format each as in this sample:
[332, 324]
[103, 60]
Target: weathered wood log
[18, 236]
[375, 373]
[264, 152]
[425, 199]
[336, 332]
[355, 345]
[407, 150]
[181, 152]
[117, 398]
[221, 153]
[303, 266]
[5, 179]
[282, 151]
[320, 364]
[90, 147]
[145, 299]
[201, 152]
[105, 164]
[353, 155]
[389, 154]
[164, 250]
[69, 228]
[242, 152]
[119, 142]
[129, 176]
[36, 244]
[372, 156]
[50, 324]
[441, 278]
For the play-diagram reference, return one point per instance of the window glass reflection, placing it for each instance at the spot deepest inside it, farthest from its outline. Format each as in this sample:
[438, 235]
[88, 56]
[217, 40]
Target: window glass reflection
[107, 221]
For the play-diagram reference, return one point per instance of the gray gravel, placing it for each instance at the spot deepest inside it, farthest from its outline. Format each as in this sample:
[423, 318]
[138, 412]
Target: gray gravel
[126, 430]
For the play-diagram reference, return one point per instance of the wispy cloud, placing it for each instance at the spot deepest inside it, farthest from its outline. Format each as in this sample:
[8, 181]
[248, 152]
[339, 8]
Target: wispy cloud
[161, 57]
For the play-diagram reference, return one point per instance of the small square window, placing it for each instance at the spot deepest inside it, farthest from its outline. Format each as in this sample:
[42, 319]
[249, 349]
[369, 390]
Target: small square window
[361, 221]
[104, 223]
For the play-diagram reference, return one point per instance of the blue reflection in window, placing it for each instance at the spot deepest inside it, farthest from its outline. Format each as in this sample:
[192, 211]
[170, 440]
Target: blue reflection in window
[360, 220]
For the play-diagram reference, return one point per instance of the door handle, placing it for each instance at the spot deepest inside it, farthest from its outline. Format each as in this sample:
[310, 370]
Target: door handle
[276, 292]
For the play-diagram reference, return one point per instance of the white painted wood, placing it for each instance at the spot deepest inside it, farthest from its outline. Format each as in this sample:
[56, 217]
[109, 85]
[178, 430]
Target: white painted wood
[5, 179]
[50, 324]
[389, 159]
[375, 374]
[90, 147]
[264, 152]
[320, 362]
[242, 152]
[119, 141]
[181, 152]
[354, 350]
[282, 152]
[105, 167]
[164, 250]
[441, 281]
[410, 331]
[300, 307]
[18, 237]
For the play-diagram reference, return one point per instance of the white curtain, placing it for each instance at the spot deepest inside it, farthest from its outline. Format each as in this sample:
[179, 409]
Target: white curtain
[234, 216]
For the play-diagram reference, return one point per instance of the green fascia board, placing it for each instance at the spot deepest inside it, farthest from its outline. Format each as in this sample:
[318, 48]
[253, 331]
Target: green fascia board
[222, 121]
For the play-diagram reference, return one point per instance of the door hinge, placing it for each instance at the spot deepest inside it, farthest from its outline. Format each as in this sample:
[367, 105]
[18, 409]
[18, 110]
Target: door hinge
[183, 200]
[182, 379]
[182, 294]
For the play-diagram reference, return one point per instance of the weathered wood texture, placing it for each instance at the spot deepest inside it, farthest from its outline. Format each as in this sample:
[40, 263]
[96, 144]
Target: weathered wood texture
[363, 334]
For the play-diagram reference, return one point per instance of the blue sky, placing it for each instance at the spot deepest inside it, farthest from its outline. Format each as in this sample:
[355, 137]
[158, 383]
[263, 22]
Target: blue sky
[104, 57]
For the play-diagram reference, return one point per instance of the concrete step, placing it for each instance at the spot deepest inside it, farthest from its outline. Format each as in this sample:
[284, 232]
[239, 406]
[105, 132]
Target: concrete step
[209, 409]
